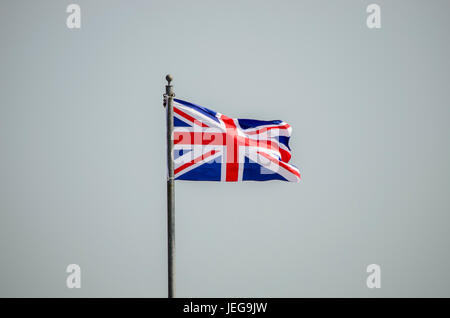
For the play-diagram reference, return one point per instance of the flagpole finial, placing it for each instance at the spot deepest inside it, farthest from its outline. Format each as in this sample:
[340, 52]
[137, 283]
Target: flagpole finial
[169, 78]
[169, 88]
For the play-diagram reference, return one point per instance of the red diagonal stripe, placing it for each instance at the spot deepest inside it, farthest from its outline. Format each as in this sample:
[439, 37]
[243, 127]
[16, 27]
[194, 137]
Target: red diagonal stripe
[196, 160]
[188, 117]
[286, 126]
[280, 163]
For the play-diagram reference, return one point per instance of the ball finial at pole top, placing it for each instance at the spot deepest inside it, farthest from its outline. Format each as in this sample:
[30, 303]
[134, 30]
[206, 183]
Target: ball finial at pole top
[169, 78]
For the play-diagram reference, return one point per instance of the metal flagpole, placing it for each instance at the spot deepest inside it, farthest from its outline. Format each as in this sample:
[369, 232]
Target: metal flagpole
[168, 103]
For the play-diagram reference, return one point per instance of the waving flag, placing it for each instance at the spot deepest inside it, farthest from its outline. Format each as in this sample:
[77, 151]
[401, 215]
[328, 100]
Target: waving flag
[210, 146]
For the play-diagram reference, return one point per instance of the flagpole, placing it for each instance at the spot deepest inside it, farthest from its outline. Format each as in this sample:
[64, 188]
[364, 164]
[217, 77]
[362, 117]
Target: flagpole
[168, 103]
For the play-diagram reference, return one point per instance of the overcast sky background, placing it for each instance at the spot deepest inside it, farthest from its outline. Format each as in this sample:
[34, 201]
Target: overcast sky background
[82, 142]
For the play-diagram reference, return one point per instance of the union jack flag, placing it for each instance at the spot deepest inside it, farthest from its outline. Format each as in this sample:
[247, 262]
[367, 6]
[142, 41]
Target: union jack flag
[209, 146]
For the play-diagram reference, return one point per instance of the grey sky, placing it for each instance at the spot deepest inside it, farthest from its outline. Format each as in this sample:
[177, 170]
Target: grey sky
[82, 139]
